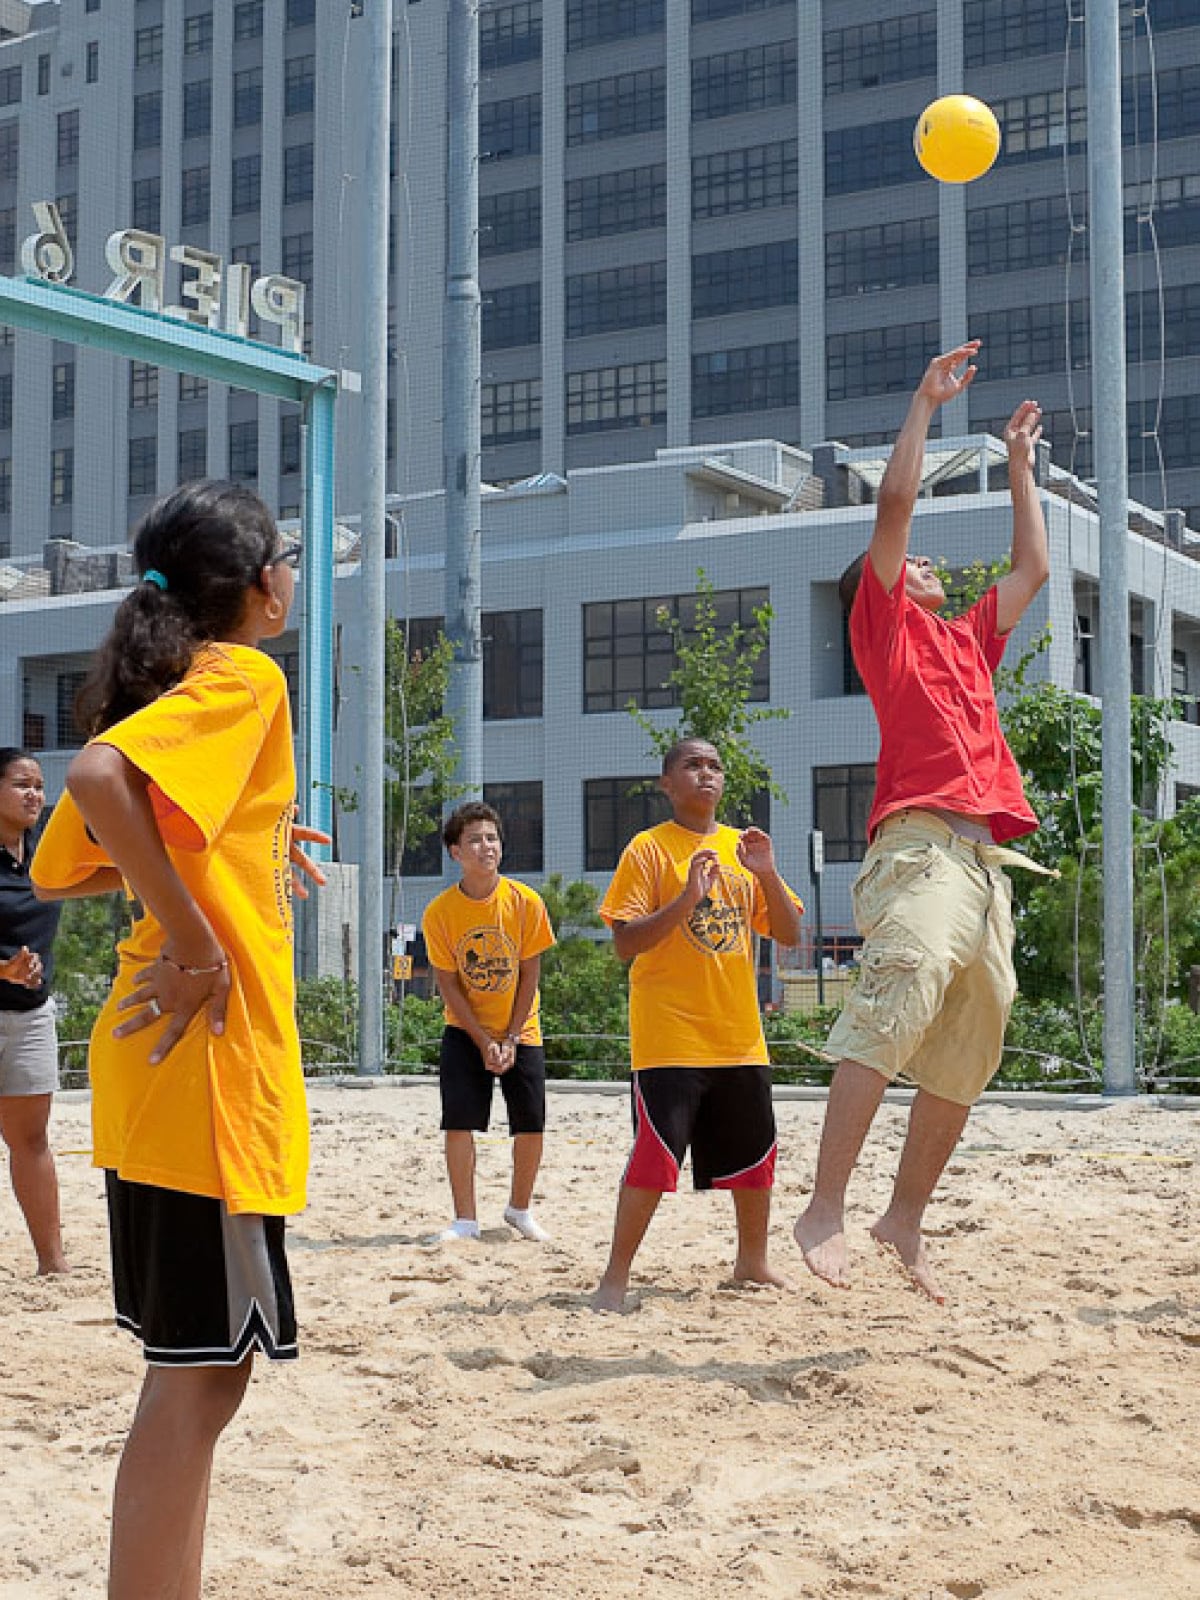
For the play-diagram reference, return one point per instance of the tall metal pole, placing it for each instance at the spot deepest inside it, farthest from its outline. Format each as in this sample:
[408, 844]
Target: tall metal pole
[375, 208]
[1107, 265]
[460, 392]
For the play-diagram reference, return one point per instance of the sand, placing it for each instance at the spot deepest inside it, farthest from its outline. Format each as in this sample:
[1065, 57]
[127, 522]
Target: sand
[460, 1424]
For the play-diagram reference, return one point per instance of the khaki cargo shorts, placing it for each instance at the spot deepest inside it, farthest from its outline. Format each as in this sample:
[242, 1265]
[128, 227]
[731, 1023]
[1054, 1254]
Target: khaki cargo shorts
[936, 980]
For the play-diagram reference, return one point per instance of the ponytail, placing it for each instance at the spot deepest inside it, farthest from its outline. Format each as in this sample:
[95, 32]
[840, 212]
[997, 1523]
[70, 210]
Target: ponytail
[197, 552]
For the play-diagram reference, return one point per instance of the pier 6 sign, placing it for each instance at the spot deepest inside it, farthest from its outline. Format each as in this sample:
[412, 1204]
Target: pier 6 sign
[218, 294]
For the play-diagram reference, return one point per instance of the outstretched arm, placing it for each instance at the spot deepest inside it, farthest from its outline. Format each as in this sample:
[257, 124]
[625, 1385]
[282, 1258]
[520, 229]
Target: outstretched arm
[902, 479]
[1030, 562]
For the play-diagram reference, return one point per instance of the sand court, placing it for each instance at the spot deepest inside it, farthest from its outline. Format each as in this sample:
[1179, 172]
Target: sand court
[461, 1424]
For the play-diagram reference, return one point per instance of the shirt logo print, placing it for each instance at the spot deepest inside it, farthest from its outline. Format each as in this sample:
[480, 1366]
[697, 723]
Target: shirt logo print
[487, 960]
[718, 924]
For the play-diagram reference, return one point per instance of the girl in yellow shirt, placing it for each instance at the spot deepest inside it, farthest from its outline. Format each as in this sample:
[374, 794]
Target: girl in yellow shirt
[185, 797]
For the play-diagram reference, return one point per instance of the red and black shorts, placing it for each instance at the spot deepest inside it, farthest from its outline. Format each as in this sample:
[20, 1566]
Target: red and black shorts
[723, 1113]
[198, 1287]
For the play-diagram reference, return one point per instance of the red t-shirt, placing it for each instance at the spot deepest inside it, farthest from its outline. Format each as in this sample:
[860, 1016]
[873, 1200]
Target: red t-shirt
[930, 681]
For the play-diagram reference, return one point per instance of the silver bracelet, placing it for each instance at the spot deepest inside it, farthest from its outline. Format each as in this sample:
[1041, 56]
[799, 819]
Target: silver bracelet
[194, 972]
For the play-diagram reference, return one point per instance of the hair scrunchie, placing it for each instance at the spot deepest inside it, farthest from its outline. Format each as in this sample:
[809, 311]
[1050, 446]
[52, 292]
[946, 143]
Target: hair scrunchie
[154, 576]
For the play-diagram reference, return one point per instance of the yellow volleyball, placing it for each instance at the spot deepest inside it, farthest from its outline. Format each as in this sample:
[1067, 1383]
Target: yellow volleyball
[957, 138]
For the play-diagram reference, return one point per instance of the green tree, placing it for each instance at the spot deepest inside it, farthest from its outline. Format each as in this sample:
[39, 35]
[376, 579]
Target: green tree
[584, 988]
[713, 679]
[419, 750]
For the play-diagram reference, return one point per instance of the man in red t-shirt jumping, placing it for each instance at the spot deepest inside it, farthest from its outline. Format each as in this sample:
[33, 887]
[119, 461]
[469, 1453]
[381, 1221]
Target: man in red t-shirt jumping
[932, 902]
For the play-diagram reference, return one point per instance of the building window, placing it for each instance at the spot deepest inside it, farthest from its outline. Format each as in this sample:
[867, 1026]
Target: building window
[197, 108]
[617, 202]
[610, 108]
[291, 453]
[91, 68]
[628, 655]
[247, 98]
[714, 10]
[249, 253]
[301, 13]
[509, 222]
[8, 239]
[243, 451]
[248, 19]
[147, 120]
[299, 85]
[5, 485]
[871, 157]
[842, 799]
[512, 316]
[762, 377]
[520, 808]
[198, 34]
[744, 80]
[621, 297]
[1028, 339]
[512, 665]
[62, 476]
[67, 206]
[245, 184]
[511, 413]
[879, 360]
[194, 196]
[67, 152]
[881, 52]
[62, 393]
[43, 74]
[508, 34]
[1024, 234]
[92, 5]
[598, 21]
[1007, 30]
[633, 396]
[148, 46]
[10, 150]
[147, 203]
[1034, 127]
[297, 173]
[10, 86]
[6, 391]
[193, 454]
[143, 385]
[750, 179]
[67, 733]
[143, 466]
[298, 257]
[1176, 210]
[892, 256]
[745, 280]
[614, 809]
[191, 387]
[509, 128]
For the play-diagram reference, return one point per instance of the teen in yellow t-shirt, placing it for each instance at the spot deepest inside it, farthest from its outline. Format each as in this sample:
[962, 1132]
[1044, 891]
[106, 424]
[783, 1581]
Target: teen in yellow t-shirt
[685, 901]
[185, 796]
[485, 939]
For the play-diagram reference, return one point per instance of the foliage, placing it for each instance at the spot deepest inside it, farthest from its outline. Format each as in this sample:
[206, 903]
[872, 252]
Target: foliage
[85, 962]
[419, 750]
[713, 678]
[584, 989]
[327, 1016]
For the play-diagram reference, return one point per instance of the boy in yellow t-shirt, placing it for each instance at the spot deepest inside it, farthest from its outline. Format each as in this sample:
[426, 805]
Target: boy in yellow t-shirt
[485, 938]
[685, 900]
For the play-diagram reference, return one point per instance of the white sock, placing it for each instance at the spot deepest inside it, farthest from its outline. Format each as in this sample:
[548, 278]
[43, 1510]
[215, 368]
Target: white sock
[462, 1228]
[526, 1224]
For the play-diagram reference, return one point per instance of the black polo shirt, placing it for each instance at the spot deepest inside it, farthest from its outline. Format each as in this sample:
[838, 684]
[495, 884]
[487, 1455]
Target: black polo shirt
[25, 920]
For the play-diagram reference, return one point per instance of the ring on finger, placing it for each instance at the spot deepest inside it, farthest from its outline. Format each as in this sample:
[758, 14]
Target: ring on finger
[153, 1007]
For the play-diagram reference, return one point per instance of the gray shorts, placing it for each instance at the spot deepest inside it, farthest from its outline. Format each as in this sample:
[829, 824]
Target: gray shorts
[28, 1052]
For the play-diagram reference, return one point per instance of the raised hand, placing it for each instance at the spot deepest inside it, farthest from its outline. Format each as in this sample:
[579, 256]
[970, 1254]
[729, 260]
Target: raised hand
[942, 380]
[703, 872]
[756, 852]
[1022, 434]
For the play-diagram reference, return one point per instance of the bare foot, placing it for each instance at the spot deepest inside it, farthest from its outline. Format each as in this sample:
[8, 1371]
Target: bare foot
[50, 1269]
[821, 1235]
[758, 1272]
[908, 1247]
[609, 1297]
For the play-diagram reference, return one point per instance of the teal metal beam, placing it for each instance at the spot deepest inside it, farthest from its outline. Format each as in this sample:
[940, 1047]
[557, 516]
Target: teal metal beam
[74, 317]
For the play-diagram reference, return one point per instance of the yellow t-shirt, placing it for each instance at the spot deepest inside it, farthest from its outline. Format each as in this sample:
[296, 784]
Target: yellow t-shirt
[693, 998]
[223, 1116]
[485, 941]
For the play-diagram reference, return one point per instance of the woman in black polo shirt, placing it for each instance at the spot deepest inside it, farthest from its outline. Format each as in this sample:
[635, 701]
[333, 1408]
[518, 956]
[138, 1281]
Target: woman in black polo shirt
[28, 1042]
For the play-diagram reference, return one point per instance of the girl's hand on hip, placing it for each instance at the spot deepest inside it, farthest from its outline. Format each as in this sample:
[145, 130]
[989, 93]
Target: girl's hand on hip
[175, 991]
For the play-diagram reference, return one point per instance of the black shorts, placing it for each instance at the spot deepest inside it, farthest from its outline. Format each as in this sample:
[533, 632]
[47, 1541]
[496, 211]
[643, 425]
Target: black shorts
[467, 1086]
[198, 1287]
[724, 1113]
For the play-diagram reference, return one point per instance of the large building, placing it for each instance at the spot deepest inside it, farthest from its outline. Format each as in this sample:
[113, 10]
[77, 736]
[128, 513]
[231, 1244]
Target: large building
[699, 220]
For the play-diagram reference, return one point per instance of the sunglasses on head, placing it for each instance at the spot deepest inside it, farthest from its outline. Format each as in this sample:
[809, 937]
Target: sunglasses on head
[289, 556]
